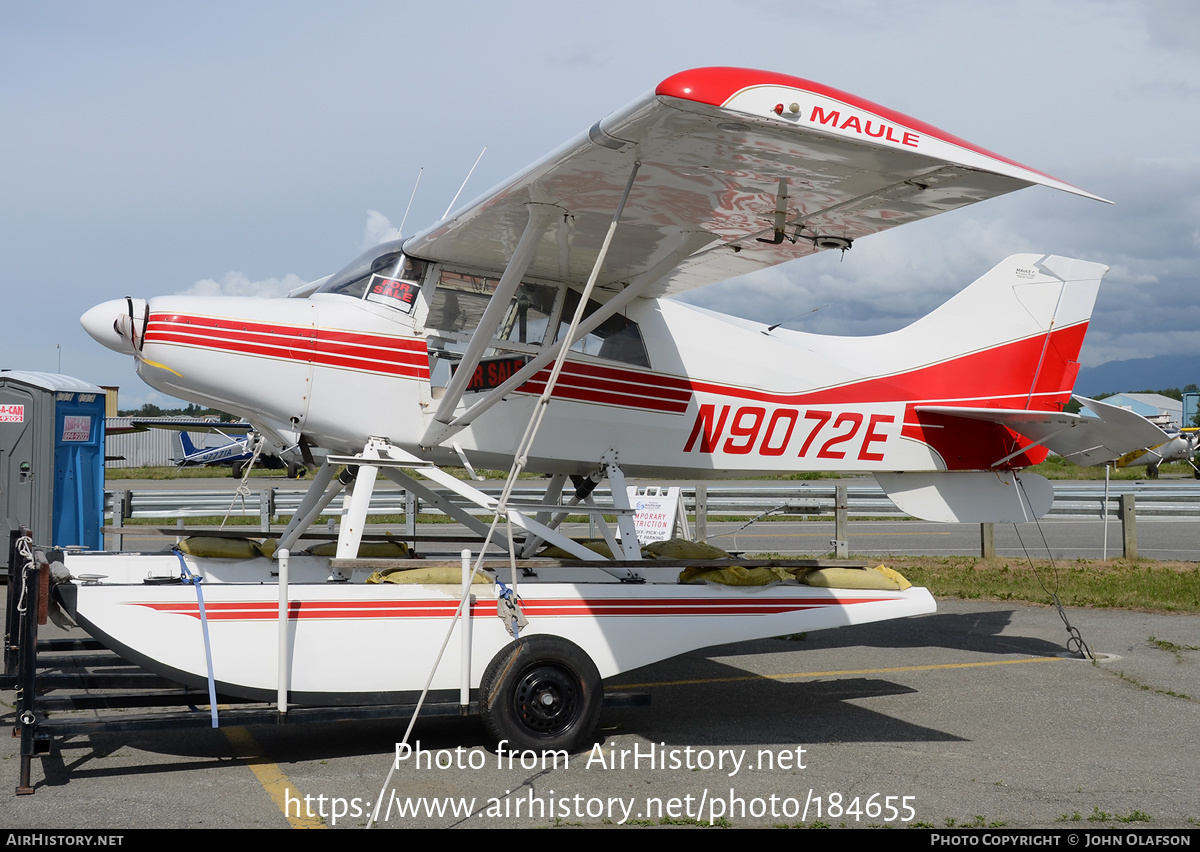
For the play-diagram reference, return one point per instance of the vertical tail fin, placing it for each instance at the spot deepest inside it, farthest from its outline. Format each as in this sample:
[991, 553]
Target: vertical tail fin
[189, 449]
[1012, 338]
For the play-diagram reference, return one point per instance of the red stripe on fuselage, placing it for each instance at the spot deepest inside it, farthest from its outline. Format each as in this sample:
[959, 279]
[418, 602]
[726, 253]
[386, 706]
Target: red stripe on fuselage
[375, 353]
[1001, 376]
[601, 385]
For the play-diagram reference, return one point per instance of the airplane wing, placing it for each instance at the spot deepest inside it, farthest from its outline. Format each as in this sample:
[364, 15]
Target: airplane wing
[1106, 437]
[128, 429]
[739, 170]
[211, 426]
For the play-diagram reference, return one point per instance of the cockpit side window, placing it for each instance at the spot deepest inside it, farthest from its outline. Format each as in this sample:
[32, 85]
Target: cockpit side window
[617, 338]
[537, 315]
[459, 301]
[529, 314]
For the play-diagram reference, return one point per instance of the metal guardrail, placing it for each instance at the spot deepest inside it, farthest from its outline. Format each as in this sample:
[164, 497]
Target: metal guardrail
[865, 500]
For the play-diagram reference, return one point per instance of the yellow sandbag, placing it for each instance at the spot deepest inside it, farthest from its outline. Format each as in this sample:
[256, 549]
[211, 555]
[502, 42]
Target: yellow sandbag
[598, 547]
[893, 574]
[213, 547]
[426, 576]
[681, 548]
[366, 550]
[734, 575]
[268, 547]
[869, 579]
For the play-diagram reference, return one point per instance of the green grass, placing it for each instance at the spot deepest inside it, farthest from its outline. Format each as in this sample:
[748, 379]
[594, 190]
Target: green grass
[1056, 467]
[1118, 583]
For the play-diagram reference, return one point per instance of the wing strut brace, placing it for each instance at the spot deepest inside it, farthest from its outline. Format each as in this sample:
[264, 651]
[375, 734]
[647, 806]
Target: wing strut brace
[637, 286]
[521, 455]
[540, 216]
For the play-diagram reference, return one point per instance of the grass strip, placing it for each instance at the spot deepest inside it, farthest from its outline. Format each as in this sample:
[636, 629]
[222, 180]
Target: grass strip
[1142, 584]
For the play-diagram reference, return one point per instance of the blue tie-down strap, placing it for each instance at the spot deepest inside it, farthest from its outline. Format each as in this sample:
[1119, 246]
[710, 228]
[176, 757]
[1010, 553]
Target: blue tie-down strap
[186, 575]
[508, 607]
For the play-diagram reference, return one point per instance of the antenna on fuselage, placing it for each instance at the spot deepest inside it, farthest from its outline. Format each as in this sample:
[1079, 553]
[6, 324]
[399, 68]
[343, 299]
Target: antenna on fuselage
[400, 230]
[771, 328]
[464, 183]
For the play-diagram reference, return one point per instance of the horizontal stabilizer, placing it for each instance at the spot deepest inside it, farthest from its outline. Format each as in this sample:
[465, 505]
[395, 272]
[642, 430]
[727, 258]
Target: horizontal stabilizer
[1106, 437]
[969, 496]
[1117, 431]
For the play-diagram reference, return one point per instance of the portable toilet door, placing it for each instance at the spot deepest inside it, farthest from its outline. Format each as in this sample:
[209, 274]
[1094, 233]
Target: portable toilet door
[79, 469]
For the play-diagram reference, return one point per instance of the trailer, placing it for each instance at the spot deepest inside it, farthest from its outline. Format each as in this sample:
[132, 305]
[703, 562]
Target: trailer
[525, 644]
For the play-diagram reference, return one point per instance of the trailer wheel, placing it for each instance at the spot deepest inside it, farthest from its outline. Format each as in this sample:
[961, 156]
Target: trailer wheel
[541, 693]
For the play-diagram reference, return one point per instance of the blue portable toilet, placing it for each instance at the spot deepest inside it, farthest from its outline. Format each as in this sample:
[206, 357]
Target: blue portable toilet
[52, 458]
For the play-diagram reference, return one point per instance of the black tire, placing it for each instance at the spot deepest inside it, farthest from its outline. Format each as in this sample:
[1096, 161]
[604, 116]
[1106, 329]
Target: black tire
[295, 470]
[238, 468]
[541, 693]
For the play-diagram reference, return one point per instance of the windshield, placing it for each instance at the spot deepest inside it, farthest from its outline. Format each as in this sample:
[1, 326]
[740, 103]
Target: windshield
[381, 274]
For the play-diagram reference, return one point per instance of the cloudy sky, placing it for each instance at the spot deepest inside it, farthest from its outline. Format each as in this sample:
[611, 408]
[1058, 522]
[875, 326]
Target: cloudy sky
[152, 148]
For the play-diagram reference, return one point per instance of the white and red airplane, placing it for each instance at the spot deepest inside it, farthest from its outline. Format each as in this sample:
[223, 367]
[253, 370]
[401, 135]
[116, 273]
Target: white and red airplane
[438, 345]
[441, 348]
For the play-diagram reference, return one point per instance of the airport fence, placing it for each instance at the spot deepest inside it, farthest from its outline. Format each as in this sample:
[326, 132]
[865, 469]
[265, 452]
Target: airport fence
[863, 500]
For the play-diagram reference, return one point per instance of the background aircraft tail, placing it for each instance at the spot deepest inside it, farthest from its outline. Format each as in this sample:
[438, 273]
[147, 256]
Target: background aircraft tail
[189, 449]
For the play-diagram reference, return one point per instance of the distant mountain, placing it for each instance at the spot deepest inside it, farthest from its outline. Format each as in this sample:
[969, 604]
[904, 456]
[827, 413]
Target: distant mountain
[1135, 374]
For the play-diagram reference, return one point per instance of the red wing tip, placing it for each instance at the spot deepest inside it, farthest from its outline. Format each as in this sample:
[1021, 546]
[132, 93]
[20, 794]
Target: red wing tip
[715, 86]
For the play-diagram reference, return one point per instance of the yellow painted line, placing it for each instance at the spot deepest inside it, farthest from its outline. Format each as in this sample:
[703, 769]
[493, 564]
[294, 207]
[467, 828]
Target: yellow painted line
[835, 673]
[162, 367]
[278, 786]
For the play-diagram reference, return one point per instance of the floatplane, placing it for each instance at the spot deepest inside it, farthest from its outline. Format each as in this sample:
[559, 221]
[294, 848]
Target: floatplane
[533, 329]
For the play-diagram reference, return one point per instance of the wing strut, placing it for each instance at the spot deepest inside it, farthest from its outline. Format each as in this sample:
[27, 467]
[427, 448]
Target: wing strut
[1026, 448]
[690, 242]
[540, 216]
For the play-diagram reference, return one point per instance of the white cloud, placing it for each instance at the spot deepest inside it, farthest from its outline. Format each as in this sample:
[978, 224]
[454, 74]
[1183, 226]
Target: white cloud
[379, 229]
[1104, 347]
[239, 284]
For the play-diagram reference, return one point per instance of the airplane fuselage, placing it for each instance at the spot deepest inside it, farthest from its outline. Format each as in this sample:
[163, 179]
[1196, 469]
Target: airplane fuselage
[721, 396]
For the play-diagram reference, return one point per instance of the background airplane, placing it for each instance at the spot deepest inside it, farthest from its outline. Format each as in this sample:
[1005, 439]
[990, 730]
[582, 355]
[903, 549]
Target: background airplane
[236, 450]
[1181, 445]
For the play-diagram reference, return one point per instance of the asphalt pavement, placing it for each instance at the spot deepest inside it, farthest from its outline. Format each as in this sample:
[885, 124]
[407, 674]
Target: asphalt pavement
[970, 716]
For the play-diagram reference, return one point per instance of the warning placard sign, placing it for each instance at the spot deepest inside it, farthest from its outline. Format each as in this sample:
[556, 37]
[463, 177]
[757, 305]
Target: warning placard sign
[77, 427]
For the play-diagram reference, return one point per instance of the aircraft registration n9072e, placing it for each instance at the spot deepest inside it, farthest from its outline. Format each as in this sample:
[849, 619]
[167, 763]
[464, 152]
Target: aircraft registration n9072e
[533, 328]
